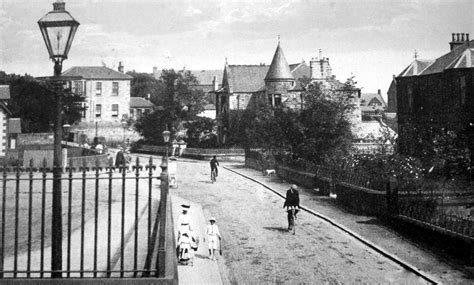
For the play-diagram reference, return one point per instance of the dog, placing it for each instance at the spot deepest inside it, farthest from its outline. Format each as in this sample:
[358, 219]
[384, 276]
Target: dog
[270, 172]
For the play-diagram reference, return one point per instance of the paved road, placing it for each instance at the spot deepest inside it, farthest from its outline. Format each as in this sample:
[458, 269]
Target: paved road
[258, 249]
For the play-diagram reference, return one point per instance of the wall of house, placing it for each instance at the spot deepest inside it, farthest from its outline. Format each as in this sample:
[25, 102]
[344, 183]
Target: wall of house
[434, 101]
[106, 99]
[239, 101]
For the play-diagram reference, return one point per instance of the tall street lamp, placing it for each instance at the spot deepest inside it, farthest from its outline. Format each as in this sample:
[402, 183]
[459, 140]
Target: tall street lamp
[124, 126]
[164, 186]
[58, 28]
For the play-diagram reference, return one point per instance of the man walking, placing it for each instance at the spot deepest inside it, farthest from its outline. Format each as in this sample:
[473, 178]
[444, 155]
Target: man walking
[292, 204]
[214, 164]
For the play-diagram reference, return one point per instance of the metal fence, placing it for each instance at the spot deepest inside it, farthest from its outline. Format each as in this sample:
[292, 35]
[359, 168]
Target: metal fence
[109, 221]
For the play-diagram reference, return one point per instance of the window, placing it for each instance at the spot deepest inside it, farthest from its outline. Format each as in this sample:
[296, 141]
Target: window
[98, 88]
[277, 100]
[78, 87]
[98, 111]
[132, 113]
[115, 88]
[274, 100]
[115, 110]
[139, 113]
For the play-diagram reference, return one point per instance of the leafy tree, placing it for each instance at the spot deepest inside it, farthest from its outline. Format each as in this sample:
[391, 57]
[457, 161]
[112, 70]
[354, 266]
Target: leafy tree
[33, 101]
[144, 84]
[201, 132]
[181, 103]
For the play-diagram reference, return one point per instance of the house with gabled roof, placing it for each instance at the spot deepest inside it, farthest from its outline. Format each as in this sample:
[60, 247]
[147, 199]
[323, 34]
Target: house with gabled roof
[437, 95]
[106, 92]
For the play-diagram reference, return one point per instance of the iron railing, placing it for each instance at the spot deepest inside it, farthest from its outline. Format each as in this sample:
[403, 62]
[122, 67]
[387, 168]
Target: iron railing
[108, 215]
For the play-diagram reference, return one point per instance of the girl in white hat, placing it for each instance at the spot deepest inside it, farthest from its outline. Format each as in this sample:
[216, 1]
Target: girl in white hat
[212, 233]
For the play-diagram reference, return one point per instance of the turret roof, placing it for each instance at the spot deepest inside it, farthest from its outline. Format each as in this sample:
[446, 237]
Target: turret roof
[279, 68]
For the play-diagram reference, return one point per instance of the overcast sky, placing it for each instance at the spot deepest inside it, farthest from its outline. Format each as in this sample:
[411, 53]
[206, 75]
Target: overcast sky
[369, 39]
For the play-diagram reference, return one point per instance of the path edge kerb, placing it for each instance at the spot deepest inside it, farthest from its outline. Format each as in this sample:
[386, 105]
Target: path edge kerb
[375, 247]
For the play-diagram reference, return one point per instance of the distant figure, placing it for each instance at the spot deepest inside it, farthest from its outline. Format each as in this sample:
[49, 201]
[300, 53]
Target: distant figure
[99, 148]
[214, 163]
[184, 220]
[212, 233]
[292, 204]
[120, 159]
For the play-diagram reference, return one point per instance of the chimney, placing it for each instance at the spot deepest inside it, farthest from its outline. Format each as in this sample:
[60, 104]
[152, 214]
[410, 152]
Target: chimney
[120, 67]
[458, 39]
[379, 92]
[215, 85]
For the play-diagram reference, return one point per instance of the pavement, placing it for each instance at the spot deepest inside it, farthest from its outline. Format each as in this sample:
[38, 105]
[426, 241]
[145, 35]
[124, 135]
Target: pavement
[368, 229]
[204, 270]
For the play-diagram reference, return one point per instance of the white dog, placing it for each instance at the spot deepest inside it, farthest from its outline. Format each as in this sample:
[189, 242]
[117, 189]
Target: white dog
[270, 172]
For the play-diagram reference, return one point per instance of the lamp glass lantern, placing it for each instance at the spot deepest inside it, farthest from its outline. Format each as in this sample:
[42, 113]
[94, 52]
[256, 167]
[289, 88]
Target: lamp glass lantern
[58, 28]
[166, 136]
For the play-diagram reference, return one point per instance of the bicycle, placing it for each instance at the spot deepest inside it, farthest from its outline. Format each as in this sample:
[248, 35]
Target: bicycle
[213, 176]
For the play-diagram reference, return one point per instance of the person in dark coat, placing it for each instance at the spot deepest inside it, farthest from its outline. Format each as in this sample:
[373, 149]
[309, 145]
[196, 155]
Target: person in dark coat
[292, 204]
[120, 159]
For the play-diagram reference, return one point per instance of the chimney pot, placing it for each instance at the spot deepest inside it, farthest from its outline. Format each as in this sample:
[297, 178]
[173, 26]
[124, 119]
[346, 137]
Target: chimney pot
[467, 37]
[457, 37]
[462, 37]
[453, 37]
[379, 92]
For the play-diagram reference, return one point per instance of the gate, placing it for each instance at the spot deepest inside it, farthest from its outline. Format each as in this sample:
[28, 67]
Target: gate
[110, 219]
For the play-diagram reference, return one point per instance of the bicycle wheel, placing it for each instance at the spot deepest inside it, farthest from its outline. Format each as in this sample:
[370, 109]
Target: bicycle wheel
[213, 176]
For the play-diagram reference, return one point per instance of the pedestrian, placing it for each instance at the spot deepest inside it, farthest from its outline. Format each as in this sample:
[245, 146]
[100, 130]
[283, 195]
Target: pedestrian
[214, 164]
[120, 159]
[99, 148]
[184, 220]
[184, 248]
[212, 233]
[292, 204]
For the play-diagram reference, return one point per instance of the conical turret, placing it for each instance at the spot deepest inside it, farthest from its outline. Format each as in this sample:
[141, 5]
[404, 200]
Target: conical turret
[279, 69]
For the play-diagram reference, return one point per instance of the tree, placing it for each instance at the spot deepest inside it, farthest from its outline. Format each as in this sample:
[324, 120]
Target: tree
[33, 102]
[201, 133]
[180, 102]
[144, 84]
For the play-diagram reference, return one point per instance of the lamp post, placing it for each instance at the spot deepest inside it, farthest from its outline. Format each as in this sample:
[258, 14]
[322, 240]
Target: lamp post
[124, 126]
[58, 28]
[66, 130]
[163, 201]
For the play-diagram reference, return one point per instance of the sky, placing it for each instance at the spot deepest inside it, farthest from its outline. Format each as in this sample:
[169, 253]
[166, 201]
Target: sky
[369, 39]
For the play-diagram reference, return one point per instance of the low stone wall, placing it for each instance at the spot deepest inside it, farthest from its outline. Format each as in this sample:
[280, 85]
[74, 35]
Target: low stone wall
[360, 199]
[101, 160]
[197, 153]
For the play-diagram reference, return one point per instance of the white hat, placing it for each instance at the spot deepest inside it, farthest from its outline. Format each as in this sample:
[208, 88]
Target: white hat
[294, 186]
[212, 219]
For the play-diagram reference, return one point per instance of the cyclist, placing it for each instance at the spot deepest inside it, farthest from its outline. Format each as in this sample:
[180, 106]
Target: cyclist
[292, 204]
[214, 164]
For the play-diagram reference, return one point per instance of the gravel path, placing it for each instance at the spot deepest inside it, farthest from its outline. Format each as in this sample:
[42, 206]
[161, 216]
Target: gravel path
[258, 249]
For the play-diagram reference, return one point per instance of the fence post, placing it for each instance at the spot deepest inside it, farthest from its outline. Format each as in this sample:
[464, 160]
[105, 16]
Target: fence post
[164, 188]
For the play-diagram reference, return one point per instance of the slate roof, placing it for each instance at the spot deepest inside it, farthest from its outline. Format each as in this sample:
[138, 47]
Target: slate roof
[246, 78]
[300, 69]
[279, 68]
[415, 68]
[453, 59]
[460, 57]
[96, 72]
[14, 126]
[204, 77]
[4, 92]
[139, 102]
[367, 99]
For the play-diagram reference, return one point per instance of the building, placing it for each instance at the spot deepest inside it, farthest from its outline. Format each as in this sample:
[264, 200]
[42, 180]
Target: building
[372, 105]
[140, 106]
[9, 127]
[437, 95]
[107, 92]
